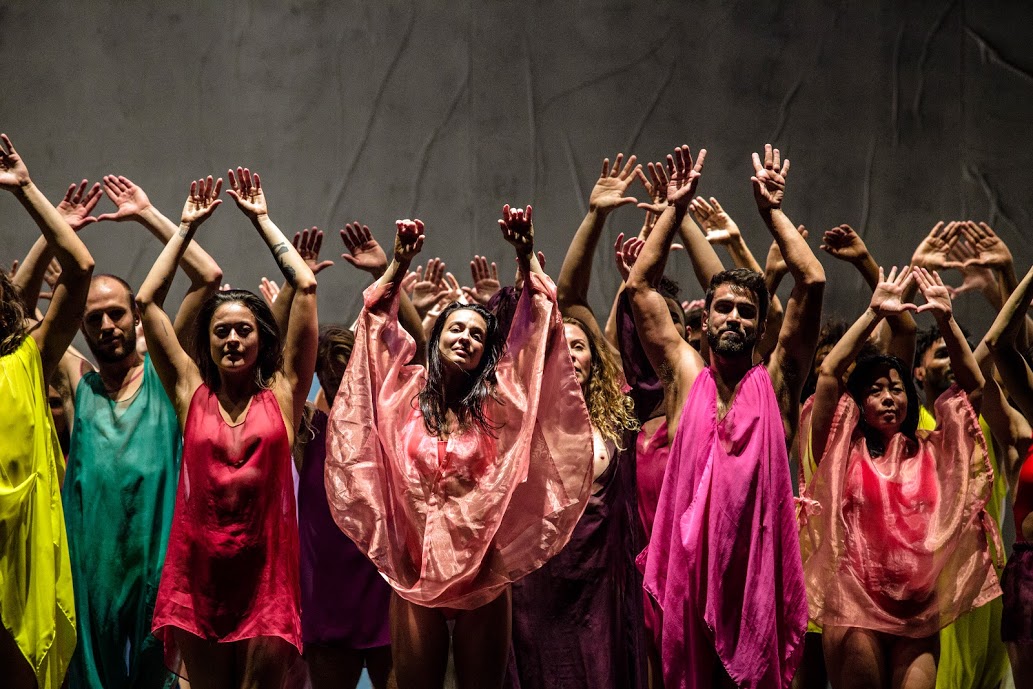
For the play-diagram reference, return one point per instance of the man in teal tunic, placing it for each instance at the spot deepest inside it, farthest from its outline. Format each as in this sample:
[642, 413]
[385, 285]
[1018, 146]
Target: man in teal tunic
[123, 467]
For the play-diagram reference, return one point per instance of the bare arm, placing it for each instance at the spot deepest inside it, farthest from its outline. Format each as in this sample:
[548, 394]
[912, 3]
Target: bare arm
[176, 370]
[302, 334]
[59, 326]
[798, 338]
[1010, 428]
[963, 364]
[1002, 341]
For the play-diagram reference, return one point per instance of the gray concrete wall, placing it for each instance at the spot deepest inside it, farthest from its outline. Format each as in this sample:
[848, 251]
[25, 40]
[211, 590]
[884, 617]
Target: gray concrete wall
[895, 114]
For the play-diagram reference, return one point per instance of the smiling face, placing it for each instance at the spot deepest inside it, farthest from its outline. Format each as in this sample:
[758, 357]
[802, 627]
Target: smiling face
[885, 402]
[462, 339]
[109, 321]
[233, 338]
[731, 324]
[580, 353]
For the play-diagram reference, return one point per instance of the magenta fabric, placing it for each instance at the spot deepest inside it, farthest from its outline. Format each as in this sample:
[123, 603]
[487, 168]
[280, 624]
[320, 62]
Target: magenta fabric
[344, 600]
[231, 569]
[724, 558]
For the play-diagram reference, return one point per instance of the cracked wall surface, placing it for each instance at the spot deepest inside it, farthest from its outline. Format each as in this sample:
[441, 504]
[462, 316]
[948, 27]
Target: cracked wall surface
[895, 115]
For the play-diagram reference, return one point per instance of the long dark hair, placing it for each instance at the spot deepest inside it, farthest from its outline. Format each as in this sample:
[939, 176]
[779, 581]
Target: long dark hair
[864, 373]
[12, 316]
[481, 382]
[270, 346]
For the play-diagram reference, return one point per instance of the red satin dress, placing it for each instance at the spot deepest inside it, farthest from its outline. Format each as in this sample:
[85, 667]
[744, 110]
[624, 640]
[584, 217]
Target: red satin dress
[231, 571]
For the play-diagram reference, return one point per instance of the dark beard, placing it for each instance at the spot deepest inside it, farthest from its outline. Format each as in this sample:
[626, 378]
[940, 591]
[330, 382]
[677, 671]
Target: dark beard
[104, 357]
[743, 345]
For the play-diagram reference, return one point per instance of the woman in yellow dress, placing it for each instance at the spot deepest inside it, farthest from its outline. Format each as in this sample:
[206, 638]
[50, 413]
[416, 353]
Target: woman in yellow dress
[38, 631]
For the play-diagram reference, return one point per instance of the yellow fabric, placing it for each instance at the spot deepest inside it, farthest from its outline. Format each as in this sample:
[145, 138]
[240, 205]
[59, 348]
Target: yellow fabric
[36, 602]
[972, 655]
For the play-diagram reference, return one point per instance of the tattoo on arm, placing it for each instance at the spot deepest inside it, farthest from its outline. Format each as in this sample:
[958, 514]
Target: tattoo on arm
[280, 249]
[289, 274]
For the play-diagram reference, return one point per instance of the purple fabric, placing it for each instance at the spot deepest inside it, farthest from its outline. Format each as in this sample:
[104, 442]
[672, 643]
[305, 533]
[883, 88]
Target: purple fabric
[646, 389]
[343, 597]
[1017, 584]
[724, 557]
[577, 621]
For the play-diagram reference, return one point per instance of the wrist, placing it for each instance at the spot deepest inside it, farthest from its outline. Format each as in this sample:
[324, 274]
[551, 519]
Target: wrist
[23, 189]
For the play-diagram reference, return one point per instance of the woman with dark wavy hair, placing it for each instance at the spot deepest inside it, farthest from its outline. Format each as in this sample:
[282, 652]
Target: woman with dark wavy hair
[458, 477]
[37, 620]
[895, 536]
[228, 602]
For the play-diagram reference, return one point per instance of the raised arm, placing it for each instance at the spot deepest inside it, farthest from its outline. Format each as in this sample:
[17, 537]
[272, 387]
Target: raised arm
[203, 272]
[607, 195]
[887, 299]
[798, 338]
[176, 369]
[518, 230]
[845, 244]
[938, 303]
[1002, 339]
[55, 332]
[674, 359]
[302, 335]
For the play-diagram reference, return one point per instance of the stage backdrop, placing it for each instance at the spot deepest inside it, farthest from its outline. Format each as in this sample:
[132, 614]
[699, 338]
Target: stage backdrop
[895, 115]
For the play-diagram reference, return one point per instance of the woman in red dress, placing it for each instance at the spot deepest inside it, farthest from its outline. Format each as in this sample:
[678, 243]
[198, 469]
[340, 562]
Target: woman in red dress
[228, 604]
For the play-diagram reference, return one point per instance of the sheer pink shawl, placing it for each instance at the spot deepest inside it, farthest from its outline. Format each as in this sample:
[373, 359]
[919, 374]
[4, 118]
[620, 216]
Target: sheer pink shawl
[455, 532]
[898, 543]
[724, 561]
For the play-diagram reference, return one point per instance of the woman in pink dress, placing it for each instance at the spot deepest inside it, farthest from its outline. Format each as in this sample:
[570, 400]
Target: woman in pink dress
[895, 538]
[462, 476]
[228, 603]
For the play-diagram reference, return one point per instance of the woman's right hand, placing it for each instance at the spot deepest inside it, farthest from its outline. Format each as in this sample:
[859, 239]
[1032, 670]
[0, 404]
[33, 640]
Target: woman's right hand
[202, 201]
[409, 236]
[888, 297]
[246, 190]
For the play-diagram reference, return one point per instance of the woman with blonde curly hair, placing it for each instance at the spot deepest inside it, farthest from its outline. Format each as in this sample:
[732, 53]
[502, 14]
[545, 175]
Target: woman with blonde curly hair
[589, 596]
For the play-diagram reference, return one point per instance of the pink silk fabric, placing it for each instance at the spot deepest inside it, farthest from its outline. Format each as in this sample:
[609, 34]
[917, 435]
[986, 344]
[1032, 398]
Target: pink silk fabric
[724, 560]
[454, 533]
[898, 543]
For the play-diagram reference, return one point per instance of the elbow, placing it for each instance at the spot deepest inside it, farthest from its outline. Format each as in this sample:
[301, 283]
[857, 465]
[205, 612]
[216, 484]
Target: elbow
[144, 299]
[813, 278]
[306, 284]
[81, 268]
[636, 284]
[212, 277]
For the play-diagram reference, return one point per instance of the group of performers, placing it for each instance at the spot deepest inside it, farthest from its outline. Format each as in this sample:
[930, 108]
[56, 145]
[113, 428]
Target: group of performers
[494, 474]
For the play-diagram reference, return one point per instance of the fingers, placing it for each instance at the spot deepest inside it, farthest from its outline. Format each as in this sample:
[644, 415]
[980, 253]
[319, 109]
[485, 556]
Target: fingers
[7, 145]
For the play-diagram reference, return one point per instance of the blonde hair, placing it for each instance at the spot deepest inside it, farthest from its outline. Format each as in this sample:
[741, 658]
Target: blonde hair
[609, 409]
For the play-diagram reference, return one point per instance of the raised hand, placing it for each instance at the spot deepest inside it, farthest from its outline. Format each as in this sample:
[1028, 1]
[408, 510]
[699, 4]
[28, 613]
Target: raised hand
[977, 277]
[308, 243]
[990, 251]
[934, 251]
[409, 237]
[78, 203]
[269, 289]
[13, 173]
[518, 229]
[683, 175]
[608, 192]
[485, 281]
[656, 187]
[844, 243]
[129, 199]
[202, 202]
[888, 295]
[716, 223]
[769, 179]
[937, 298]
[363, 252]
[625, 253]
[428, 286]
[246, 190]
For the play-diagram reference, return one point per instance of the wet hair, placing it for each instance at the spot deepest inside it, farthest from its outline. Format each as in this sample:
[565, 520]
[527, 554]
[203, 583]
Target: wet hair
[12, 316]
[610, 410]
[864, 373]
[332, 354]
[481, 382]
[742, 280]
[125, 285]
[270, 345]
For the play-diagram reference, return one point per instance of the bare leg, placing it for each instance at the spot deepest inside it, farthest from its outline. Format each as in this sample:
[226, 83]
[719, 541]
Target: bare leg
[209, 664]
[854, 658]
[266, 661]
[811, 674]
[1021, 656]
[378, 665]
[913, 662]
[482, 639]
[17, 672]
[419, 643]
[331, 666]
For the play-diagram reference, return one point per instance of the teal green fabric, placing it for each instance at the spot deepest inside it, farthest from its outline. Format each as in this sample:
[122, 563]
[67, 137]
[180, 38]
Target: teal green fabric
[119, 493]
